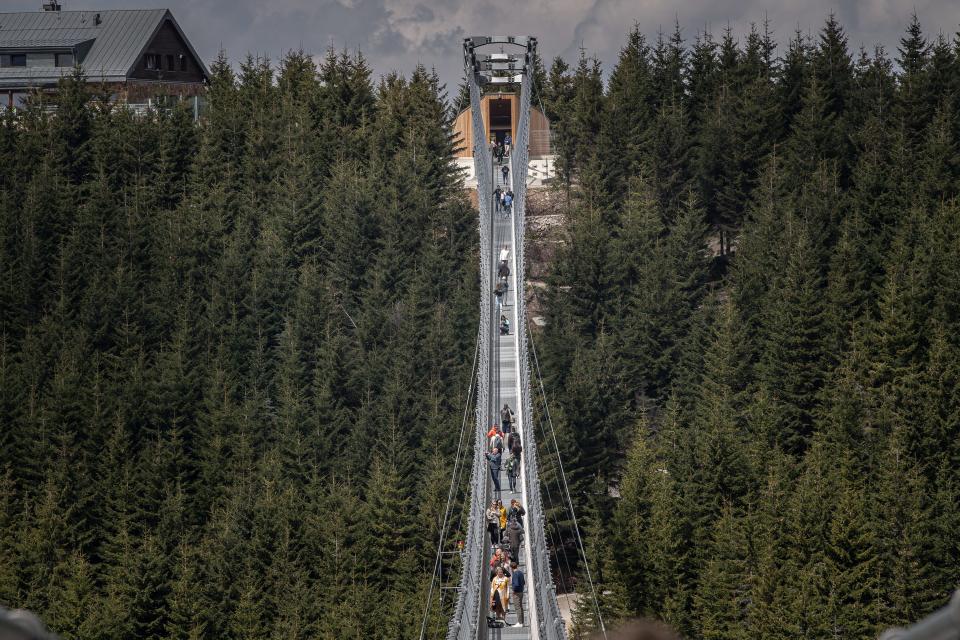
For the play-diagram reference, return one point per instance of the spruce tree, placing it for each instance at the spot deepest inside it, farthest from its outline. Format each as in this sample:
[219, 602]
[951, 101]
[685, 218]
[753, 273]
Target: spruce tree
[628, 110]
[913, 105]
[792, 364]
[722, 596]
[852, 564]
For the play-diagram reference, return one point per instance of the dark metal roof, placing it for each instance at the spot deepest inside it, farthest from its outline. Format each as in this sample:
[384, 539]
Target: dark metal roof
[47, 43]
[119, 38]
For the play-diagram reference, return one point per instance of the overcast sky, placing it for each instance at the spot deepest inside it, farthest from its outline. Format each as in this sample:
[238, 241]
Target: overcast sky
[396, 34]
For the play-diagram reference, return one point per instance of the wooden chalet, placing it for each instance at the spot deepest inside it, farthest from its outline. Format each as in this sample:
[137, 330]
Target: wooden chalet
[138, 55]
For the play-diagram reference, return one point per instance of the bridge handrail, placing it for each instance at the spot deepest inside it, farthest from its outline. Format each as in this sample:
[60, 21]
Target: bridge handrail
[549, 620]
[470, 609]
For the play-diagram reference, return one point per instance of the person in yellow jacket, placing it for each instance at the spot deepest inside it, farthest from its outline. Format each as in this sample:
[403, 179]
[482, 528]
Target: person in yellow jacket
[503, 518]
[500, 594]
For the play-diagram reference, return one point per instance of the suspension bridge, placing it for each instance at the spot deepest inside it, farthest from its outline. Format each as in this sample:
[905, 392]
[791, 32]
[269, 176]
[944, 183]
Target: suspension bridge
[502, 369]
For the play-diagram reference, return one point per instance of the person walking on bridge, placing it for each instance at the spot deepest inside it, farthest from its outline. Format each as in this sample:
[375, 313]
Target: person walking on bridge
[495, 461]
[516, 511]
[512, 466]
[518, 582]
[492, 516]
[515, 447]
[499, 290]
[499, 559]
[514, 536]
[496, 438]
[500, 594]
[503, 519]
[497, 195]
[512, 439]
[505, 170]
[506, 418]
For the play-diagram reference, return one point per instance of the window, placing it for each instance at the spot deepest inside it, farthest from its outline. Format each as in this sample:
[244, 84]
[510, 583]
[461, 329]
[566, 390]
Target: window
[183, 62]
[170, 64]
[13, 60]
[152, 61]
[64, 59]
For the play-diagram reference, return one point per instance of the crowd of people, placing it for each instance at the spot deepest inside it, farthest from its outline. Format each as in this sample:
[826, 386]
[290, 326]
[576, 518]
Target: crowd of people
[501, 149]
[503, 200]
[500, 441]
[507, 581]
[503, 276]
[505, 525]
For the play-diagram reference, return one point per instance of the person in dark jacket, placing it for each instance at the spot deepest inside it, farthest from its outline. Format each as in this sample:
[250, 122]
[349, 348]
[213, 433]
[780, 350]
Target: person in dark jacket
[515, 447]
[514, 536]
[506, 415]
[512, 466]
[494, 459]
[516, 511]
[505, 170]
[497, 194]
[518, 583]
[493, 522]
[513, 435]
[500, 289]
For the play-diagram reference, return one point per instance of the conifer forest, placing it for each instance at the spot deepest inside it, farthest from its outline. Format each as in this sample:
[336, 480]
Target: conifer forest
[235, 352]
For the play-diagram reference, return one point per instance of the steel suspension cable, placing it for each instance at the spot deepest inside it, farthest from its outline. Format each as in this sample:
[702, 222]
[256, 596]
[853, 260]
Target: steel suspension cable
[553, 516]
[496, 237]
[454, 483]
[566, 487]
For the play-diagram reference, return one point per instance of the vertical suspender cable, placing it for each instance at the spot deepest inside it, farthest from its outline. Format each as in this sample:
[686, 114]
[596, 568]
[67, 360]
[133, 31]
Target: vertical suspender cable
[469, 609]
[566, 487]
[454, 483]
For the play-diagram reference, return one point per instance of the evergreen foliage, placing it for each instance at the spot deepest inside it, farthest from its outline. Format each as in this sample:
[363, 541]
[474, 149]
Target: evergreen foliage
[772, 249]
[206, 329]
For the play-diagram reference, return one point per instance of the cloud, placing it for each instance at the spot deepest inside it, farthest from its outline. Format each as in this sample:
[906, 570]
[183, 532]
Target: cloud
[397, 34]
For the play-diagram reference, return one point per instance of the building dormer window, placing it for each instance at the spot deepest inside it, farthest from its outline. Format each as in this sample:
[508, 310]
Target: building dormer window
[63, 59]
[152, 61]
[13, 60]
